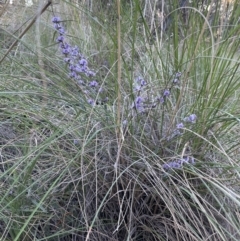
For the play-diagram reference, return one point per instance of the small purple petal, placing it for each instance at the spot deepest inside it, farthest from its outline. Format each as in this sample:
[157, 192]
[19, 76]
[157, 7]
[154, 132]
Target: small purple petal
[141, 81]
[160, 99]
[75, 142]
[85, 69]
[61, 30]
[180, 125]
[177, 132]
[175, 81]
[73, 74]
[178, 74]
[66, 51]
[75, 51]
[80, 82]
[90, 101]
[60, 39]
[93, 84]
[57, 26]
[56, 19]
[100, 90]
[72, 67]
[79, 69]
[83, 62]
[90, 73]
[67, 60]
[173, 165]
[138, 104]
[139, 100]
[176, 165]
[192, 118]
[165, 166]
[137, 88]
[166, 93]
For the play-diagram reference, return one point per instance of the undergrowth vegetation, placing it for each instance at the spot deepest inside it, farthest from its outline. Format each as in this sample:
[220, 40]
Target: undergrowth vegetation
[120, 121]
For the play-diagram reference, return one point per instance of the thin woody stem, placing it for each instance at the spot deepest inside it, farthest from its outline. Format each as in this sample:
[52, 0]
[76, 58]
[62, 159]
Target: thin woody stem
[26, 29]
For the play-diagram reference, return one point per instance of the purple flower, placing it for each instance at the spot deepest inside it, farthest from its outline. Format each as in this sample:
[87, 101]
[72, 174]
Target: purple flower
[61, 30]
[93, 84]
[83, 62]
[166, 92]
[67, 60]
[175, 81]
[66, 48]
[178, 74]
[137, 88]
[172, 165]
[178, 163]
[90, 101]
[60, 39]
[73, 74]
[57, 26]
[75, 142]
[176, 133]
[180, 125]
[140, 81]
[139, 84]
[80, 82]
[56, 19]
[138, 103]
[65, 51]
[139, 100]
[192, 118]
[75, 51]
[100, 90]
[72, 67]
[160, 99]
[79, 68]
[85, 69]
[90, 73]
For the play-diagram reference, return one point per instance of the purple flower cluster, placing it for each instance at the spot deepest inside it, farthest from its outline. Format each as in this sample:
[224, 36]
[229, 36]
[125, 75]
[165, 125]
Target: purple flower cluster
[140, 101]
[178, 131]
[176, 79]
[190, 119]
[178, 163]
[77, 64]
[161, 99]
[139, 86]
[180, 125]
[166, 92]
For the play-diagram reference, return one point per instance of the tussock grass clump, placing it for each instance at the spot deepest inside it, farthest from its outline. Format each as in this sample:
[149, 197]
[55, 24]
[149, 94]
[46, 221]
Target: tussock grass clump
[122, 129]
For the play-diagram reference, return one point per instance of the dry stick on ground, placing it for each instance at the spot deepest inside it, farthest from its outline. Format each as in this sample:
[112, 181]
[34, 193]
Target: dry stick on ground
[26, 29]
